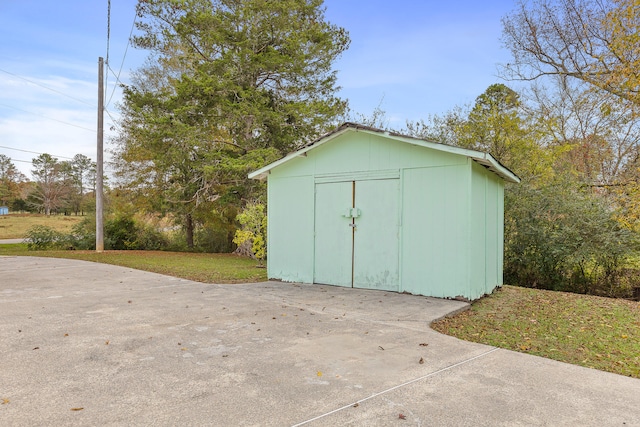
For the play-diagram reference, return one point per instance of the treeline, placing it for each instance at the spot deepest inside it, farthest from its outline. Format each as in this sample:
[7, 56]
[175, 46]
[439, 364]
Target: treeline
[58, 187]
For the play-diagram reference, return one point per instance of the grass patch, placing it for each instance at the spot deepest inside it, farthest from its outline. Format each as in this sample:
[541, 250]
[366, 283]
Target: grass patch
[15, 226]
[595, 332]
[206, 268]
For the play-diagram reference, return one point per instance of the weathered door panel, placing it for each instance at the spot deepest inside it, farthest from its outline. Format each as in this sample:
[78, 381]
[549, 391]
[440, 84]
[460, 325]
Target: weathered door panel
[333, 236]
[375, 264]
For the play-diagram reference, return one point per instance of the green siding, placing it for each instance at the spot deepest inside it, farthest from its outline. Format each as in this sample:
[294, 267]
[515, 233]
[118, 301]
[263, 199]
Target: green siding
[434, 227]
[362, 152]
[290, 229]
[478, 233]
[486, 232]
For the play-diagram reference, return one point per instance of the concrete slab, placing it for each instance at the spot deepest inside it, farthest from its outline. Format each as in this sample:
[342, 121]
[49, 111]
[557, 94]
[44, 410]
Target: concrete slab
[92, 344]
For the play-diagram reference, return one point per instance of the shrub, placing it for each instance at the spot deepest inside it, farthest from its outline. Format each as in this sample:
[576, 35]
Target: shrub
[562, 238]
[42, 238]
[252, 234]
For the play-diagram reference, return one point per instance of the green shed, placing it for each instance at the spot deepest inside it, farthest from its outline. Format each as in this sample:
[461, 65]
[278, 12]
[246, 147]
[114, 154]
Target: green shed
[365, 208]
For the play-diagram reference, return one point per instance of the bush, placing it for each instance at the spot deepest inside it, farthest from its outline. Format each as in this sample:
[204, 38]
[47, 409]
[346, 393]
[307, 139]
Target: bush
[253, 234]
[561, 238]
[119, 234]
[42, 238]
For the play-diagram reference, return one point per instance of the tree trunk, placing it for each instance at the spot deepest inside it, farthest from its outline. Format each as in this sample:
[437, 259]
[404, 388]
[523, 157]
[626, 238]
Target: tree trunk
[189, 231]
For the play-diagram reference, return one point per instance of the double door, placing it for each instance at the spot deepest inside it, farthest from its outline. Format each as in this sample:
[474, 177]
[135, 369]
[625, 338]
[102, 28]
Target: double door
[357, 234]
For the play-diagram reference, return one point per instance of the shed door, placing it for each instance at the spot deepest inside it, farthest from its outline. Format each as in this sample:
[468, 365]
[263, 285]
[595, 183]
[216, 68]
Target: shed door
[356, 234]
[333, 241]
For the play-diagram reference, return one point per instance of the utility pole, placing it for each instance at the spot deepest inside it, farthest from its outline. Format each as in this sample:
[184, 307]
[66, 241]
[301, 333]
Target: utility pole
[100, 160]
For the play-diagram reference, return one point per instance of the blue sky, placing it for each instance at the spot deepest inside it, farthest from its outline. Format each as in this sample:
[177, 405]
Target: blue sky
[415, 58]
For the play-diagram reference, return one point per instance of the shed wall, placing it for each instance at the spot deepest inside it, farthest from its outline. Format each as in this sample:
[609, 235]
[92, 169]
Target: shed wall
[290, 228]
[486, 232]
[359, 152]
[434, 226]
[451, 213]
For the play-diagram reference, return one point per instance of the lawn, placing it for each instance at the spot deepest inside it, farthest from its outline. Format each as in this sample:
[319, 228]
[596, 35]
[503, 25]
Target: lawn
[206, 268]
[595, 332]
[15, 226]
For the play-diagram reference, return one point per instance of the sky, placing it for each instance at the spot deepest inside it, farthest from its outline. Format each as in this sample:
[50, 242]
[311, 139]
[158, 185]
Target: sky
[411, 58]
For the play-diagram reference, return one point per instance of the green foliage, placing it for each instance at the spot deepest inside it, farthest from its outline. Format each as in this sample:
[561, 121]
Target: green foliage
[229, 87]
[253, 232]
[120, 233]
[560, 238]
[42, 237]
[10, 181]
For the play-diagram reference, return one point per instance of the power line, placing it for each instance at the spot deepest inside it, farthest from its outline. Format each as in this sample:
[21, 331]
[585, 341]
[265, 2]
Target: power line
[34, 152]
[106, 83]
[48, 118]
[45, 87]
[133, 24]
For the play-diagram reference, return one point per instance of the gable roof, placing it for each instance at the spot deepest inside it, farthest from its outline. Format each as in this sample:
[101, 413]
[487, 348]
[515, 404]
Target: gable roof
[484, 159]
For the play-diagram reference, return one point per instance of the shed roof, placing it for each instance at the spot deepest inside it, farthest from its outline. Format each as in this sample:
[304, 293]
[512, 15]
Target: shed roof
[485, 159]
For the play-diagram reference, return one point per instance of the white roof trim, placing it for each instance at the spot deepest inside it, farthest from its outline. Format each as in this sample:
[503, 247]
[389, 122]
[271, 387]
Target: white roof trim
[485, 159]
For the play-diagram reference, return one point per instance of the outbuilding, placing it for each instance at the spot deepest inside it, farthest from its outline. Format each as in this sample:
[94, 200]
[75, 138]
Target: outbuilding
[365, 208]
[4, 210]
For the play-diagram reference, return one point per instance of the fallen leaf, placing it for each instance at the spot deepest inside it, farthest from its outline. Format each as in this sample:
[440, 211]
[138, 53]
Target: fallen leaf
[380, 347]
[423, 344]
[319, 374]
[106, 342]
[77, 409]
[355, 405]
[5, 401]
[421, 361]
[36, 348]
[402, 416]
[66, 335]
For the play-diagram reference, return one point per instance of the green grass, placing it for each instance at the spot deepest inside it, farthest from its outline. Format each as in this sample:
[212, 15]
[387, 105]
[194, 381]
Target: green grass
[15, 226]
[206, 268]
[595, 332]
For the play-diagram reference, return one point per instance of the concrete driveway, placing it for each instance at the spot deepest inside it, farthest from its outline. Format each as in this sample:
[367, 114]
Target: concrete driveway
[88, 344]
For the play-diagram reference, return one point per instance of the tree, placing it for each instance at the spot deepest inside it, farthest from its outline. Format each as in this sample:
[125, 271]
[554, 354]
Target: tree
[10, 181]
[595, 41]
[229, 86]
[81, 171]
[597, 132]
[259, 72]
[496, 124]
[51, 188]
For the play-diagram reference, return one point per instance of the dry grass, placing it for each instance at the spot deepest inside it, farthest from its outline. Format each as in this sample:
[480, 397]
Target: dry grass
[15, 226]
[595, 332]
